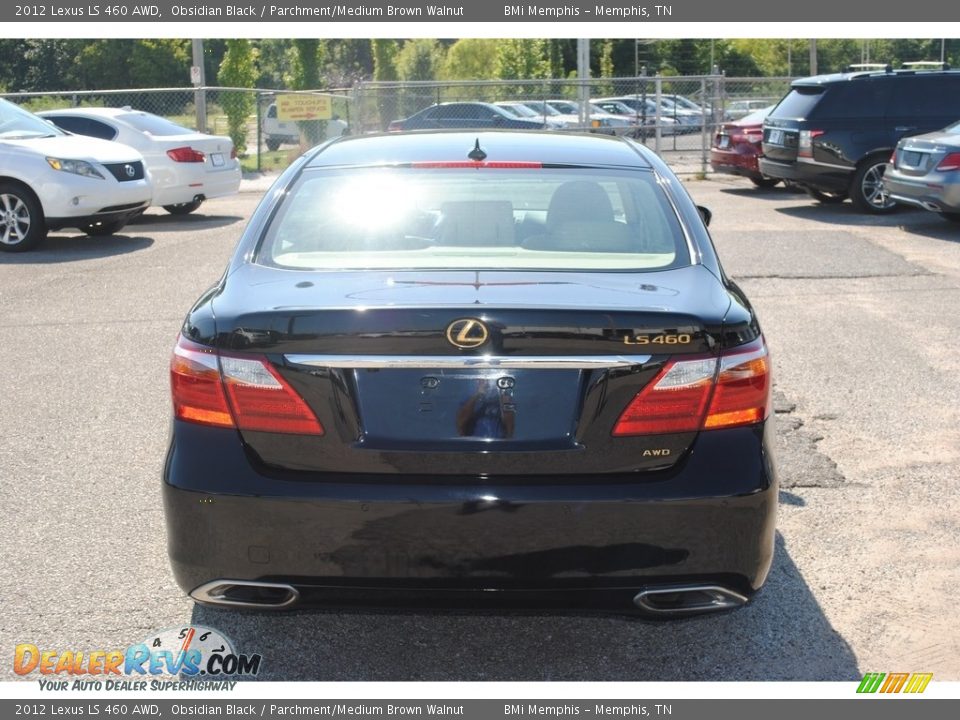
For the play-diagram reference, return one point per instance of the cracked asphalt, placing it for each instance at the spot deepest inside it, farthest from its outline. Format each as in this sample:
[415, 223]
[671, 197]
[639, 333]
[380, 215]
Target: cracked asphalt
[860, 313]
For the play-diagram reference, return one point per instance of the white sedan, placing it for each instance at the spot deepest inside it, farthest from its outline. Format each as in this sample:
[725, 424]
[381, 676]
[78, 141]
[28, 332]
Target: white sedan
[186, 167]
[51, 180]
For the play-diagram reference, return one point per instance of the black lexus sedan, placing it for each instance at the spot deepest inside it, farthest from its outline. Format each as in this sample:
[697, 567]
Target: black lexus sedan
[483, 369]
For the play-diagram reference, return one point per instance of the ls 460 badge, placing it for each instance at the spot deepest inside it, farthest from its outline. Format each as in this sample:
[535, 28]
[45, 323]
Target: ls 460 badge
[662, 339]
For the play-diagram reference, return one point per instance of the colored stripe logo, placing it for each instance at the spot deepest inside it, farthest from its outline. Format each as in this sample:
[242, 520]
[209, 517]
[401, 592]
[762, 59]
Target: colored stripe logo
[894, 682]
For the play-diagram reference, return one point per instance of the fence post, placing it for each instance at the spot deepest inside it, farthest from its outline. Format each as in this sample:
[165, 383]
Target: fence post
[703, 130]
[259, 99]
[658, 89]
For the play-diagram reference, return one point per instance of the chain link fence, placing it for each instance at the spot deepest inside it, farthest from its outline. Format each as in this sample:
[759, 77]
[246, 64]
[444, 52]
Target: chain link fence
[249, 116]
[675, 116]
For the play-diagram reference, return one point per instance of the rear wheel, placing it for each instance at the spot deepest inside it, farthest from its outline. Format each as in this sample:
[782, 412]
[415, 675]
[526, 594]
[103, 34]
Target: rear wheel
[827, 198]
[952, 216]
[183, 208]
[867, 191]
[22, 225]
[273, 145]
[103, 229]
[764, 182]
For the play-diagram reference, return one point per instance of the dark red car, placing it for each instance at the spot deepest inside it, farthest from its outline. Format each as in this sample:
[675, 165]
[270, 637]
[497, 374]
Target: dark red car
[736, 147]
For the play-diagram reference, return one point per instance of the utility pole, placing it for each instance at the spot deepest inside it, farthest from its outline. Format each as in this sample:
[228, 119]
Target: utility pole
[813, 56]
[198, 77]
[583, 75]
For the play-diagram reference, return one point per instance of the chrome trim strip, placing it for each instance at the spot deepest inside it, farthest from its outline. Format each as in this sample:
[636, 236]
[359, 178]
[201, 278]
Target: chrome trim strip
[208, 594]
[723, 598]
[475, 362]
[819, 163]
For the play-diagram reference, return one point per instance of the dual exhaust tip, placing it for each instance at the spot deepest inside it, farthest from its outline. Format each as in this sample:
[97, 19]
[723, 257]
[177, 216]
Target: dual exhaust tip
[246, 594]
[663, 600]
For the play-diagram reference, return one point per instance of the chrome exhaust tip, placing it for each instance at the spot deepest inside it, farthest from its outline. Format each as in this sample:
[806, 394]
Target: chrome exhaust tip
[932, 207]
[246, 594]
[680, 599]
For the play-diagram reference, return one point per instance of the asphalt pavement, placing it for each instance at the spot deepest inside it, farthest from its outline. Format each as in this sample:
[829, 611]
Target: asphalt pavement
[861, 316]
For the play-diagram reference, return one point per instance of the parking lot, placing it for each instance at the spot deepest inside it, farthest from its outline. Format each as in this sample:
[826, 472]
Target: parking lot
[860, 313]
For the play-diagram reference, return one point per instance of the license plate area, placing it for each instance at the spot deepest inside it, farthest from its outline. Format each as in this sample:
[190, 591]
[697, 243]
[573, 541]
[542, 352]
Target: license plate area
[216, 159]
[455, 408]
[775, 137]
[724, 142]
[912, 160]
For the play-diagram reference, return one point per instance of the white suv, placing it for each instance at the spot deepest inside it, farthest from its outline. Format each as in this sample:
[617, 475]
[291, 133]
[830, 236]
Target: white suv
[50, 179]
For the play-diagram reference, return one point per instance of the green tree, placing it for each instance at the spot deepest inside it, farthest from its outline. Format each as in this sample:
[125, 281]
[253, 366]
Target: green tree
[471, 59]
[385, 70]
[522, 59]
[238, 69]
[306, 76]
[420, 59]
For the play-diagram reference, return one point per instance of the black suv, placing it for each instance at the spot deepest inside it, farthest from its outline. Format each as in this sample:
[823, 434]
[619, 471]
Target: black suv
[833, 134]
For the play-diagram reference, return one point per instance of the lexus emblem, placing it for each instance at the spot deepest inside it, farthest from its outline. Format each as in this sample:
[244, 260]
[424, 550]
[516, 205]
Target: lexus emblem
[128, 169]
[467, 333]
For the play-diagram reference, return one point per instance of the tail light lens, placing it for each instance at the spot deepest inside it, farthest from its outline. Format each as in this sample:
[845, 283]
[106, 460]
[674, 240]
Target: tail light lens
[395, 126]
[950, 162]
[689, 395]
[225, 391]
[233, 152]
[805, 144]
[186, 155]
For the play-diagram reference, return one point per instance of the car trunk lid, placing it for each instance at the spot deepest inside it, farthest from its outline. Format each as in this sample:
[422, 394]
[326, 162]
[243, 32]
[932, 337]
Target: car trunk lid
[471, 373]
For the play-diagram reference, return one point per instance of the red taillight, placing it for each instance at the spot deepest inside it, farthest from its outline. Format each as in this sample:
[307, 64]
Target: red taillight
[893, 158]
[196, 386]
[186, 155]
[805, 143]
[711, 393]
[950, 162]
[742, 393]
[242, 392]
[674, 401]
[395, 126]
[233, 153]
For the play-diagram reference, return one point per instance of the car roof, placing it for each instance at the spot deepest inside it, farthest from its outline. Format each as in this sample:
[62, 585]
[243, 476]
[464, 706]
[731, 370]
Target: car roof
[94, 111]
[499, 145]
[861, 74]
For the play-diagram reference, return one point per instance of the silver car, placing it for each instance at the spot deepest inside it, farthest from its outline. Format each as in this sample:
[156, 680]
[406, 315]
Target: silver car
[925, 171]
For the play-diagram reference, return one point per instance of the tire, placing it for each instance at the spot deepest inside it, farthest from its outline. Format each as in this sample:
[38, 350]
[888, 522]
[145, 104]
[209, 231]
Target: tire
[103, 229]
[827, 198]
[951, 216]
[273, 145]
[764, 182]
[867, 192]
[183, 208]
[22, 225]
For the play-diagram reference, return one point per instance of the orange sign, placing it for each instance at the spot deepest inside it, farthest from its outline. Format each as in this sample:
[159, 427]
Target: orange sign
[303, 107]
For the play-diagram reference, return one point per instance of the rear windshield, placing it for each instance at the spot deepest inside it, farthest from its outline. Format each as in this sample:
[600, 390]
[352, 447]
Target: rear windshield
[798, 103]
[469, 219]
[154, 125]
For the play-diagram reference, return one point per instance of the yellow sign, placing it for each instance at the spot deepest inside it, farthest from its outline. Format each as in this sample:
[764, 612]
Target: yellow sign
[303, 107]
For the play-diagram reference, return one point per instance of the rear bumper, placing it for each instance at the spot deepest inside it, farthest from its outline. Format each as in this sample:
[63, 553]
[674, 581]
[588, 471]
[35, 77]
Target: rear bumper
[592, 543]
[808, 174]
[206, 184]
[735, 163]
[926, 194]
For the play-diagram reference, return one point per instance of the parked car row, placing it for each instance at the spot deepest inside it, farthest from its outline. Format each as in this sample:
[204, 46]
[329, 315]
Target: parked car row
[615, 114]
[879, 138]
[834, 135]
[96, 169]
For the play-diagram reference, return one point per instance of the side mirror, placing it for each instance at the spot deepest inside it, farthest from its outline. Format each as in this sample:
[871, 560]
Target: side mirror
[705, 214]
